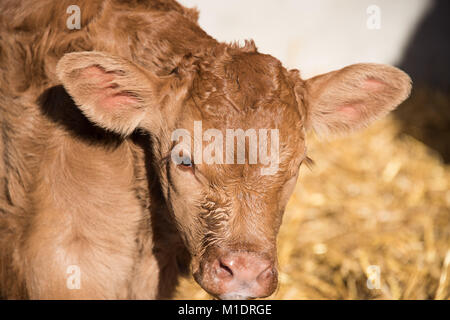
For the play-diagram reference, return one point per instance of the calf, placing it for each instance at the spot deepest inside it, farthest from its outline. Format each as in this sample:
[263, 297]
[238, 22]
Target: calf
[101, 171]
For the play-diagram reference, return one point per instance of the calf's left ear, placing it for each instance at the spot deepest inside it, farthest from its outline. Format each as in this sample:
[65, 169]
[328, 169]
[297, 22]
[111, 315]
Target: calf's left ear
[111, 92]
[351, 98]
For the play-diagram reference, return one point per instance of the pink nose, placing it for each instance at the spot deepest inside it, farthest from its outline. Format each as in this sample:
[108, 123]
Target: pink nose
[244, 275]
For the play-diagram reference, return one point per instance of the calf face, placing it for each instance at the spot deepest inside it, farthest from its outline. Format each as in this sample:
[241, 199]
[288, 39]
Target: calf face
[228, 213]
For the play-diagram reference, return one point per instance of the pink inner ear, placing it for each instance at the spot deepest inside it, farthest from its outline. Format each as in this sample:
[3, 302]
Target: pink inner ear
[349, 112]
[106, 92]
[117, 100]
[97, 74]
[372, 84]
[353, 110]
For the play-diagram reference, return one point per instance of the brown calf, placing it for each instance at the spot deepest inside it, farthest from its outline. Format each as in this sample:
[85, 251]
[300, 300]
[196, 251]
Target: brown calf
[87, 177]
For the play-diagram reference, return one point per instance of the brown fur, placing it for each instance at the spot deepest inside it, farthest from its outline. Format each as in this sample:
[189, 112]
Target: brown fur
[86, 117]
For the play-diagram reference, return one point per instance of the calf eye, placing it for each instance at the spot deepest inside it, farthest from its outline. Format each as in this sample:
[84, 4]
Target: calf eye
[186, 163]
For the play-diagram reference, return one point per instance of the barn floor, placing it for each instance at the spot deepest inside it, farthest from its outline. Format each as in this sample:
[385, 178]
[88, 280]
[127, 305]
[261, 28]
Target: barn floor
[375, 202]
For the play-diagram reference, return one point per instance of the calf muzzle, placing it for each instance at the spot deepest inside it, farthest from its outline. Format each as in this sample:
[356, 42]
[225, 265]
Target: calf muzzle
[239, 275]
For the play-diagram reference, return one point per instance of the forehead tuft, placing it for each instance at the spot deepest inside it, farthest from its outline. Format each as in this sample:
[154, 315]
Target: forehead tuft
[245, 87]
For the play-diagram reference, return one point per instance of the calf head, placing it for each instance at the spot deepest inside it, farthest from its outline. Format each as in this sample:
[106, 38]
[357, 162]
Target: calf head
[228, 213]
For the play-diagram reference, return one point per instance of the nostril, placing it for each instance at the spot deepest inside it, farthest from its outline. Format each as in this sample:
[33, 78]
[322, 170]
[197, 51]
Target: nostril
[226, 268]
[223, 271]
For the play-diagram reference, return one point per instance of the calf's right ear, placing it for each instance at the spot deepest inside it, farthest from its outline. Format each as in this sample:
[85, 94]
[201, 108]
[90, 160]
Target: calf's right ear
[111, 92]
[351, 98]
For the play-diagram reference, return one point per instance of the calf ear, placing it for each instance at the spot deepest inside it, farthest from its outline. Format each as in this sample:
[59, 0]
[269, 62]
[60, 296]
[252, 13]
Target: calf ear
[112, 92]
[351, 98]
